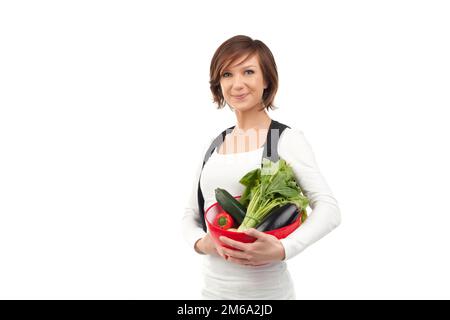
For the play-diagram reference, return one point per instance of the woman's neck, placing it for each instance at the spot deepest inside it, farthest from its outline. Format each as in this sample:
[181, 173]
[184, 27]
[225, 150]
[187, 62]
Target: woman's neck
[252, 119]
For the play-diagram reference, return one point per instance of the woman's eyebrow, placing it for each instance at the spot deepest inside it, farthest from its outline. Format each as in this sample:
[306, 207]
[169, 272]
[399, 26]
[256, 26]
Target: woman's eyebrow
[244, 67]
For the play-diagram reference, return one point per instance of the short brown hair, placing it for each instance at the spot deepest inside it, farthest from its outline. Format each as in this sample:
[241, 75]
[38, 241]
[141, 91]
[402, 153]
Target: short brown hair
[230, 51]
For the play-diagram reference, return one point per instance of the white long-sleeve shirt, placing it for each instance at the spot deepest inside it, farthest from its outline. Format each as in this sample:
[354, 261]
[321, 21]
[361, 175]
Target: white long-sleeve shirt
[225, 171]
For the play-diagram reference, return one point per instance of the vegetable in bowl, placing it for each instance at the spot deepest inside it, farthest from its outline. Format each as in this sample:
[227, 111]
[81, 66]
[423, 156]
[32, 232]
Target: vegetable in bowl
[271, 199]
[223, 221]
[272, 186]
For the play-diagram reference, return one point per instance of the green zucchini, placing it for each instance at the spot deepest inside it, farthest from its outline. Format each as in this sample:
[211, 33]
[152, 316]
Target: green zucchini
[231, 205]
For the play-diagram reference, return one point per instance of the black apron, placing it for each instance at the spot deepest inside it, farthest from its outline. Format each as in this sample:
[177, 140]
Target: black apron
[270, 152]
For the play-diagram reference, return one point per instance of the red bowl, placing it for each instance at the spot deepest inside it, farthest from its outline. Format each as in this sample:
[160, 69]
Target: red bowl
[216, 232]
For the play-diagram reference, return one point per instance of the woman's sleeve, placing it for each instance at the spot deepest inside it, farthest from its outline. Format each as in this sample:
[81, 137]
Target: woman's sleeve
[325, 214]
[191, 223]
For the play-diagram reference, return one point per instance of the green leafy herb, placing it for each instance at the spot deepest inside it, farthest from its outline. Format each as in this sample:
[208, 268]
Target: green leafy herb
[271, 186]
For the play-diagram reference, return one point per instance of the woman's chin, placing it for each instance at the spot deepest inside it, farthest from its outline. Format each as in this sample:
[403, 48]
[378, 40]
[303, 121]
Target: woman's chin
[243, 107]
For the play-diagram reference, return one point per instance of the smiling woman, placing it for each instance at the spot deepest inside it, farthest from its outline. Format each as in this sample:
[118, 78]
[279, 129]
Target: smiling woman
[244, 76]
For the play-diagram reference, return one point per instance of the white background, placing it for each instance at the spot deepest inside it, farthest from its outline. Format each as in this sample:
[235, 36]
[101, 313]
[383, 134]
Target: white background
[105, 108]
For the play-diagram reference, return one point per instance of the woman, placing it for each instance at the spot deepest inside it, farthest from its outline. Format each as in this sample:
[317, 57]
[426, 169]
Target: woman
[243, 75]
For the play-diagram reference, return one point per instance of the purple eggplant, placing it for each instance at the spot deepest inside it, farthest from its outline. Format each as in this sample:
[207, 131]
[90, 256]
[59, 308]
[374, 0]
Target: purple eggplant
[279, 217]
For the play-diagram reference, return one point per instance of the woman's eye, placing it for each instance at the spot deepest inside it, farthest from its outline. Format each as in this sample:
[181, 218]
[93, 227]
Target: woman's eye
[226, 74]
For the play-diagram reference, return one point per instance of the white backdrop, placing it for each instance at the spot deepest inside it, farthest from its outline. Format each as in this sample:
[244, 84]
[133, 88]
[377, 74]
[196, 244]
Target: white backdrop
[105, 108]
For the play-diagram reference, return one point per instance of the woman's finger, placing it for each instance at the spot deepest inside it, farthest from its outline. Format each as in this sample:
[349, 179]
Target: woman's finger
[244, 262]
[235, 254]
[252, 232]
[236, 244]
[221, 253]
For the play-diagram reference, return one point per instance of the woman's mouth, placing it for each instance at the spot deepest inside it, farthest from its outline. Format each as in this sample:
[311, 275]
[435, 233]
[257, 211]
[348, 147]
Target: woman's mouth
[241, 97]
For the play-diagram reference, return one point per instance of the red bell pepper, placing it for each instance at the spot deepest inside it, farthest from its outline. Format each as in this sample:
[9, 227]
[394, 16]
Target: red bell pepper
[223, 220]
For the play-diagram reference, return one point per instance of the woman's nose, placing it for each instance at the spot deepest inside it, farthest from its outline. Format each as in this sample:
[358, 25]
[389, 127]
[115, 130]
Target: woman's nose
[238, 82]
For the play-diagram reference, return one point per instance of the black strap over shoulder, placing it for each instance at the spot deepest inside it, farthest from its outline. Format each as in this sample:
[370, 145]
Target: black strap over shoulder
[273, 136]
[270, 152]
[215, 144]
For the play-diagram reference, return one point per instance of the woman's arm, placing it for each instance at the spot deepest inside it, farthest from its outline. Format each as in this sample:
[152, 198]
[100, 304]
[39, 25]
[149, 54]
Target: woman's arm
[325, 215]
[191, 224]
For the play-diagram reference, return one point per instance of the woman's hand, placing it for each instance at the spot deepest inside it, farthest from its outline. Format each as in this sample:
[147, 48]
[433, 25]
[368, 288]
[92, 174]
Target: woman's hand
[207, 246]
[265, 249]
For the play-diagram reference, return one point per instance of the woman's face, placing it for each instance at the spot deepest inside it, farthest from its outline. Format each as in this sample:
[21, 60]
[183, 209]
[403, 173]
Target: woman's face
[243, 84]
